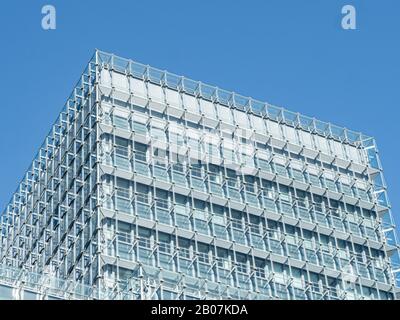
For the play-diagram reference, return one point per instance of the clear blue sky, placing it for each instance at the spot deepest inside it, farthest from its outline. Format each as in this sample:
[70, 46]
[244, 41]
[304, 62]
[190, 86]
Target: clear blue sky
[288, 52]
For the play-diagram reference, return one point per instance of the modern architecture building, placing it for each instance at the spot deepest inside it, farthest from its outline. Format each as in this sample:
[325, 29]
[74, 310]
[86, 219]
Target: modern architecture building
[150, 185]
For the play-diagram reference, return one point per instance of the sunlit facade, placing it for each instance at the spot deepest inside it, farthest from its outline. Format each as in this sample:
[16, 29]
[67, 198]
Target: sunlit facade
[153, 186]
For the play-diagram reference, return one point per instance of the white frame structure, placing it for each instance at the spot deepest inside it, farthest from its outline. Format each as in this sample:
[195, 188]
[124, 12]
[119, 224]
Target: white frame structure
[154, 186]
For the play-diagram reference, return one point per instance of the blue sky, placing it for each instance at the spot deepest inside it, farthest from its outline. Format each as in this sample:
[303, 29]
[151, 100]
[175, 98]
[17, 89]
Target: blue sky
[288, 52]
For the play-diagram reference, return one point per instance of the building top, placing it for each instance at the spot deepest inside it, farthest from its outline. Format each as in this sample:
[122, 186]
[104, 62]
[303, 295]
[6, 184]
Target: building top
[232, 99]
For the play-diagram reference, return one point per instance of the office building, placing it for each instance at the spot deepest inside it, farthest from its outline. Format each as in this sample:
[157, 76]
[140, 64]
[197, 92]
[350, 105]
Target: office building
[150, 185]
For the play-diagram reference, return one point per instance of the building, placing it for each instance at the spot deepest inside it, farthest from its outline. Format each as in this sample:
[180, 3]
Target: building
[153, 186]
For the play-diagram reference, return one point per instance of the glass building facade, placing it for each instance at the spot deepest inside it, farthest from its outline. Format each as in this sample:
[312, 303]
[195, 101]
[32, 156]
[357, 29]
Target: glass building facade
[154, 186]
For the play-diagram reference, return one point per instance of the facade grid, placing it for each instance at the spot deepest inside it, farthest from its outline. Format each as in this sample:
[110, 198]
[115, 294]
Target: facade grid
[154, 186]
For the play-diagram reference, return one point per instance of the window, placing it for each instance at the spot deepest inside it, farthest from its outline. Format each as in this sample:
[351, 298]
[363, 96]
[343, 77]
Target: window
[121, 122]
[176, 138]
[196, 170]
[260, 268]
[184, 248]
[144, 237]
[236, 220]
[140, 151]
[285, 193]
[255, 224]
[139, 127]
[241, 263]
[158, 134]
[203, 253]
[142, 193]
[164, 243]
[223, 258]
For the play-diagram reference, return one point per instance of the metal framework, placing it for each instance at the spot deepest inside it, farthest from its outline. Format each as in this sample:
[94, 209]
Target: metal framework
[153, 186]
